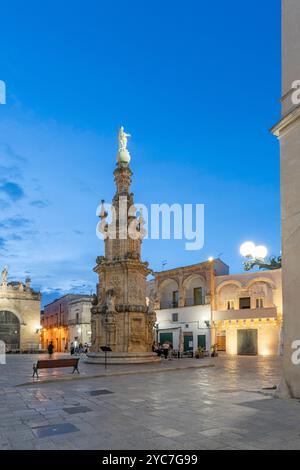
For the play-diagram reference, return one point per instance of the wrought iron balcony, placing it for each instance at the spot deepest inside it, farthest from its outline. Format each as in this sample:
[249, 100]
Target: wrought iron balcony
[188, 302]
[244, 314]
[168, 304]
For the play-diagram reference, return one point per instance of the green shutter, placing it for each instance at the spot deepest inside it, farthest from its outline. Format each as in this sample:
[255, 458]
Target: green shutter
[202, 341]
[197, 295]
[186, 343]
[163, 337]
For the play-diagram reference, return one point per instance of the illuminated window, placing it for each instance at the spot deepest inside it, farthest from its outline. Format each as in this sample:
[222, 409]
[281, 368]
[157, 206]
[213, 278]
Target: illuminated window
[260, 303]
[230, 304]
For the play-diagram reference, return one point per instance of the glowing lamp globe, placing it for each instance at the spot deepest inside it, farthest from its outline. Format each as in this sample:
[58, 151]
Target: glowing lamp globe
[260, 252]
[247, 249]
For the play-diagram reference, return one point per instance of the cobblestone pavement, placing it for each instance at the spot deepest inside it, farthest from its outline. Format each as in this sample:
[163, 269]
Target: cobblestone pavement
[223, 407]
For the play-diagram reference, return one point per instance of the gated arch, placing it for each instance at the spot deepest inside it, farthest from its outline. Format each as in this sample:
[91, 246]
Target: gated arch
[10, 330]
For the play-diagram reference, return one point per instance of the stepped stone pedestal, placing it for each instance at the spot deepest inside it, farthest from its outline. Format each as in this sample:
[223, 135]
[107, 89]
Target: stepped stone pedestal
[122, 358]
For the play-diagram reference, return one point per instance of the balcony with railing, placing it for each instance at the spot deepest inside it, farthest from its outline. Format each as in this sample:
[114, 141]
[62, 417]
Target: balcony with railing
[191, 301]
[168, 304]
[245, 313]
[188, 302]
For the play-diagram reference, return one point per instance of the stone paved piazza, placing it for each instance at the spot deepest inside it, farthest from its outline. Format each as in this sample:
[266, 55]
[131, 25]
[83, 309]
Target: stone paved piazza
[221, 407]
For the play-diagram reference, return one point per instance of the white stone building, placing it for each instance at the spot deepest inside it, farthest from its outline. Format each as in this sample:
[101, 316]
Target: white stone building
[20, 308]
[184, 309]
[202, 304]
[248, 313]
[79, 321]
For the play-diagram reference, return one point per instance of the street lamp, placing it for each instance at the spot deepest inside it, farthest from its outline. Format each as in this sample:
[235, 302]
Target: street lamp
[212, 298]
[260, 252]
[247, 249]
[250, 250]
[256, 255]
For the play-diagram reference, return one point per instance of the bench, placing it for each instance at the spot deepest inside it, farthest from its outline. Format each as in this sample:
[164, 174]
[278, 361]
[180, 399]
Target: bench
[54, 363]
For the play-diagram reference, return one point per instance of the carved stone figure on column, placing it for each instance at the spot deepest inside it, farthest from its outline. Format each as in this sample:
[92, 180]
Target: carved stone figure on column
[4, 275]
[152, 301]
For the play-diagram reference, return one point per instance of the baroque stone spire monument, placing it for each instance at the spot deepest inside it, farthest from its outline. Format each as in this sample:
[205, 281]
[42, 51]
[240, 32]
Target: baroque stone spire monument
[121, 318]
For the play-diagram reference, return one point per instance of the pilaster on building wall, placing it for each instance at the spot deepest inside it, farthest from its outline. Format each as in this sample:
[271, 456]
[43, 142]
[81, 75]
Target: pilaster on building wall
[288, 132]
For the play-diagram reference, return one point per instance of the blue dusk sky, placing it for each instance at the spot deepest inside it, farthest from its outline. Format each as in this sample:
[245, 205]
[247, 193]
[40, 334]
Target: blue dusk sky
[196, 83]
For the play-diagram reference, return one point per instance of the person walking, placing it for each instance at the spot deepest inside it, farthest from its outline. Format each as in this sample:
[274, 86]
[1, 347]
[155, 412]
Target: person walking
[50, 349]
[170, 352]
[165, 347]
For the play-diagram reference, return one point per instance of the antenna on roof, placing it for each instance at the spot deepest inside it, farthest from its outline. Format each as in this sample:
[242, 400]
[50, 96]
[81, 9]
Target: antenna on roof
[163, 264]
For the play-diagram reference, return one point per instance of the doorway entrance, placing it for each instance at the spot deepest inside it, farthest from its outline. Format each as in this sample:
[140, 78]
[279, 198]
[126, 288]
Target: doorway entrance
[10, 330]
[188, 342]
[247, 342]
[166, 337]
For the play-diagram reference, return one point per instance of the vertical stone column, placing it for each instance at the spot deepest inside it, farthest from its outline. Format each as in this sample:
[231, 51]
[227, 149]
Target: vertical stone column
[181, 291]
[288, 132]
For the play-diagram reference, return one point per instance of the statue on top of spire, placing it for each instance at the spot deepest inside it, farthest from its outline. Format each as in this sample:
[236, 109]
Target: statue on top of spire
[123, 138]
[123, 156]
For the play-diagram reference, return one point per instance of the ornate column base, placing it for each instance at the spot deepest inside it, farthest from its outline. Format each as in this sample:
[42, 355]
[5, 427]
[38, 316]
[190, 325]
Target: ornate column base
[122, 358]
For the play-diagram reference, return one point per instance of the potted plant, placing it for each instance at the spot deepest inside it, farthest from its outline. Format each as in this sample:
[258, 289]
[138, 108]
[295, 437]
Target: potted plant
[199, 353]
[214, 350]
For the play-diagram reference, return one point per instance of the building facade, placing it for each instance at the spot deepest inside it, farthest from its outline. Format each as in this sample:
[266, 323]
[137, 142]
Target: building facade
[202, 304]
[248, 313]
[79, 321]
[288, 132]
[184, 299]
[19, 315]
[55, 323]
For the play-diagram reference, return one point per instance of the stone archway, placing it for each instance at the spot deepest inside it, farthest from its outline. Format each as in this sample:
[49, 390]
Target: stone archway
[10, 330]
[168, 293]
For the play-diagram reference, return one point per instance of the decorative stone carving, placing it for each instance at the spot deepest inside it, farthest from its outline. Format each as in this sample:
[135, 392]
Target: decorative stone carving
[4, 275]
[121, 318]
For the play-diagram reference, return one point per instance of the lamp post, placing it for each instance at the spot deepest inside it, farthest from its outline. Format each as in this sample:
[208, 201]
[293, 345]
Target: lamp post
[212, 299]
[256, 256]
[106, 335]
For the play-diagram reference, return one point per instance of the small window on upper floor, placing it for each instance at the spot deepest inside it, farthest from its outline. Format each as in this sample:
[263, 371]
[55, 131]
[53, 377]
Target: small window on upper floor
[198, 294]
[259, 303]
[174, 317]
[230, 304]
[175, 297]
[245, 302]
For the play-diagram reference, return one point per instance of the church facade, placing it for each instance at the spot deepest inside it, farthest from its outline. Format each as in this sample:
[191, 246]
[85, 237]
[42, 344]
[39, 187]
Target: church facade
[20, 306]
